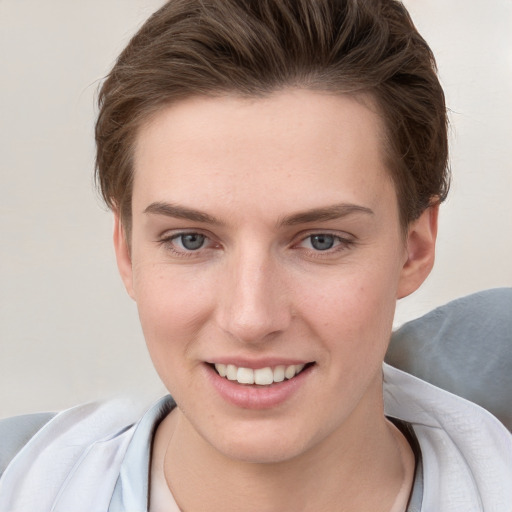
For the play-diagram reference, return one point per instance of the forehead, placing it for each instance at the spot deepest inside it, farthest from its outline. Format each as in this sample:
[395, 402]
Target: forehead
[293, 145]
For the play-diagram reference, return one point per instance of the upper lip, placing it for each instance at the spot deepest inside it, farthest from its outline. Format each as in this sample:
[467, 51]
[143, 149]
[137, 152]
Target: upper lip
[254, 364]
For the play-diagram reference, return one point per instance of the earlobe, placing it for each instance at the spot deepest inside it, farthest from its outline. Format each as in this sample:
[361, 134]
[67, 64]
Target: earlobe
[123, 256]
[420, 252]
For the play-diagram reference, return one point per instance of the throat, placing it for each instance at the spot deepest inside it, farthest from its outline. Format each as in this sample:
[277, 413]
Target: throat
[198, 479]
[408, 463]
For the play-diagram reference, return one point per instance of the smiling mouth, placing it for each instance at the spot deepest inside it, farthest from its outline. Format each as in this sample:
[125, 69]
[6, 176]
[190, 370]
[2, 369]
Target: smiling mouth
[260, 376]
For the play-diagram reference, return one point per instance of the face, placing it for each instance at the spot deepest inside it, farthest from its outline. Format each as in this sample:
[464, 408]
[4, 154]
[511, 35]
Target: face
[266, 259]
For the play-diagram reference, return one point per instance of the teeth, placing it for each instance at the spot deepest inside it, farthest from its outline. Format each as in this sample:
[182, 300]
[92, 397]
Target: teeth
[279, 373]
[245, 376]
[231, 372]
[221, 368]
[261, 376]
[289, 372]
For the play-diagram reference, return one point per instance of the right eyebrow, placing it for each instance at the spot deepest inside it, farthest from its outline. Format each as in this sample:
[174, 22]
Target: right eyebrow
[181, 212]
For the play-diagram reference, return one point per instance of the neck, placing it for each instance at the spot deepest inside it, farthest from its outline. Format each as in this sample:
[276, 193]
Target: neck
[359, 467]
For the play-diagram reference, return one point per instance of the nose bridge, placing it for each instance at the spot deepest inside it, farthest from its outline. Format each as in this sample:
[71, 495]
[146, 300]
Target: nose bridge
[255, 303]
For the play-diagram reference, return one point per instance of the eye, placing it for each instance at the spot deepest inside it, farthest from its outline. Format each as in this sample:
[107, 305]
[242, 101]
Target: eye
[186, 243]
[322, 242]
[189, 241]
[327, 243]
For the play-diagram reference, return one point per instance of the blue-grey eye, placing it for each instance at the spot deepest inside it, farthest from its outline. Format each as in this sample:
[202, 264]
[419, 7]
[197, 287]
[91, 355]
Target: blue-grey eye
[192, 241]
[322, 242]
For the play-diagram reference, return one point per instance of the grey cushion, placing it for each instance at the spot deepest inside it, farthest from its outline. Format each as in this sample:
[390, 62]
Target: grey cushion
[464, 347]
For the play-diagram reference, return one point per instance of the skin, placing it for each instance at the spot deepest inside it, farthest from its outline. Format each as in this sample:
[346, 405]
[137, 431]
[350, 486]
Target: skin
[259, 289]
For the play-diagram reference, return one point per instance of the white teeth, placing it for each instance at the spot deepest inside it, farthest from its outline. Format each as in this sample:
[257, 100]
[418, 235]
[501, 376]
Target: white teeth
[289, 371]
[231, 372]
[245, 376]
[221, 368]
[279, 373]
[261, 376]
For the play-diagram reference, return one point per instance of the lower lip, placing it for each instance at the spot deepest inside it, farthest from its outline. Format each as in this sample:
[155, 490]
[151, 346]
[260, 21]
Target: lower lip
[254, 396]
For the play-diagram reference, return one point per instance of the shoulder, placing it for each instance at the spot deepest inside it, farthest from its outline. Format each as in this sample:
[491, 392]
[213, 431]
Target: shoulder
[87, 442]
[85, 423]
[466, 451]
[15, 432]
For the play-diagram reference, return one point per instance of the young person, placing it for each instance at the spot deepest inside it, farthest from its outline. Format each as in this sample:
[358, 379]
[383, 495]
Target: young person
[275, 170]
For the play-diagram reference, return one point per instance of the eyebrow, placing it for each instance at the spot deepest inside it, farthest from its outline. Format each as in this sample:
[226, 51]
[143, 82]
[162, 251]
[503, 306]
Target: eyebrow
[327, 213]
[181, 212]
[333, 212]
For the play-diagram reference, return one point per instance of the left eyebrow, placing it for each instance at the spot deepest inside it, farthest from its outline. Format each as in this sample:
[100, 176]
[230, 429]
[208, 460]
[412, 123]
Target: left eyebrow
[333, 212]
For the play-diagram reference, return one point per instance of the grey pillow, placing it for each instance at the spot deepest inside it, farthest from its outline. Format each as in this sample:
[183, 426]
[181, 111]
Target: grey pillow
[464, 347]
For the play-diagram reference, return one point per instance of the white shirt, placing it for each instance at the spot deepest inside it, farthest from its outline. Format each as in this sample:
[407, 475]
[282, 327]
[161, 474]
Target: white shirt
[95, 457]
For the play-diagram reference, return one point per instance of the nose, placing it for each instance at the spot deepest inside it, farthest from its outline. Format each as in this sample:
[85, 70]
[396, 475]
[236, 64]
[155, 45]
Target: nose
[255, 303]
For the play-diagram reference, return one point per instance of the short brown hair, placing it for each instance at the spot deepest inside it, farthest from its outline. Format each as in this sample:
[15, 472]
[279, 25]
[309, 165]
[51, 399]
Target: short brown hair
[254, 47]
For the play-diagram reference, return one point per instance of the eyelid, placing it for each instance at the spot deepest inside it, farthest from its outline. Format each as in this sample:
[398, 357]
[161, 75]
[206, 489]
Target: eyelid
[346, 241]
[169, 234]
[341, 235]
[167, 237]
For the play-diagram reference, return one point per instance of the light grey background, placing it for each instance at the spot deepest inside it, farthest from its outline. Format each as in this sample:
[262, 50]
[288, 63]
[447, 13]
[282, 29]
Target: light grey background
[68, 332]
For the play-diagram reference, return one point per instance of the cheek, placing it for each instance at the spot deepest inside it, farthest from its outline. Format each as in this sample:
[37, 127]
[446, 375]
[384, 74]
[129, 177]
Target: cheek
[354, 310]
[172, 308]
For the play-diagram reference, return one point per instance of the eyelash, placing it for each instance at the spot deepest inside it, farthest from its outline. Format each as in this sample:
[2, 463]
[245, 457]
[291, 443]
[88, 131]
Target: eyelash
[341, 244]
[169, 243]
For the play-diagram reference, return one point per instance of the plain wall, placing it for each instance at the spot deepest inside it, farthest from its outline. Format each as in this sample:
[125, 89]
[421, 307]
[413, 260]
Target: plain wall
[68, 332]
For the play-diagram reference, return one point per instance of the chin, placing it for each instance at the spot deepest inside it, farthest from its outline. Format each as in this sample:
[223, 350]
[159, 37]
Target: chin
[261, 444]
[271, 452]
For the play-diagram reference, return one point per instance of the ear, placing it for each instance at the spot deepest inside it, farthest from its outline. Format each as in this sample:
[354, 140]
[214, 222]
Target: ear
[123, 256]
[420, 252]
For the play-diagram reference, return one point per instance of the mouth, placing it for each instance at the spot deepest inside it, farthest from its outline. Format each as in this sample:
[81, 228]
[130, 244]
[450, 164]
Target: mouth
[264, 377]
[259, 386]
